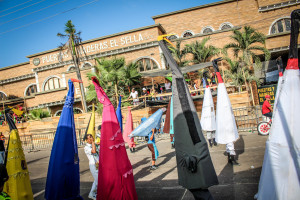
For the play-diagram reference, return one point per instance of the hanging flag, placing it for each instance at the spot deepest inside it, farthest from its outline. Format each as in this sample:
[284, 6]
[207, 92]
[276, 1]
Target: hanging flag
[115, 177]
[128, 129]
[119, 114]
[280, 176]
[63, 171]
[146, 126]
[18, 185]
[194, 165]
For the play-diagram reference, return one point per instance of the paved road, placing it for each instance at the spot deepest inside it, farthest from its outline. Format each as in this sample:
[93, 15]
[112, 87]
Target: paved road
[235, 183]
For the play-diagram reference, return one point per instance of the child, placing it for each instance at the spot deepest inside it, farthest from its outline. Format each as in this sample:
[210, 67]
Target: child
[152, 148]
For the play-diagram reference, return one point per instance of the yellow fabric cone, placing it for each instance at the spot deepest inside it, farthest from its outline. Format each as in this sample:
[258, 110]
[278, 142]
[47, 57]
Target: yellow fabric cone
[91, 127]
[18, 185]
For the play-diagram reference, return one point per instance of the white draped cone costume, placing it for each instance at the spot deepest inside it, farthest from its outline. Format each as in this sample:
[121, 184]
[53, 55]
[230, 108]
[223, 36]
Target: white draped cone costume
[279, 86]
[208, 118]
[280, 176]
[226, 131]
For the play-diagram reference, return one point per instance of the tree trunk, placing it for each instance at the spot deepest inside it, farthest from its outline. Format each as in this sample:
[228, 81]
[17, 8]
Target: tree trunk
[116, 92]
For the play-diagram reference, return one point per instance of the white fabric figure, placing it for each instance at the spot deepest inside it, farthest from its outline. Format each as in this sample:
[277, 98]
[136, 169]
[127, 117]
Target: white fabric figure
[226, 127]
[280, 176]
[208, 119]
[93, 159]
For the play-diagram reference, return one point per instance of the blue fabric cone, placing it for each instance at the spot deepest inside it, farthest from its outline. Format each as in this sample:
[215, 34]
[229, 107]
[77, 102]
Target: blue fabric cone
[63, 172]
[145, 128]
[119, 114]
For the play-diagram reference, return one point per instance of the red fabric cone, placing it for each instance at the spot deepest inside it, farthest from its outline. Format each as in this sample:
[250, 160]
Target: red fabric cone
[128, 129]
[115, 177]
[220, 80]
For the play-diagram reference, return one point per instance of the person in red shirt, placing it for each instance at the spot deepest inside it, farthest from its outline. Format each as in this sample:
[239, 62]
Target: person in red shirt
[267, 108]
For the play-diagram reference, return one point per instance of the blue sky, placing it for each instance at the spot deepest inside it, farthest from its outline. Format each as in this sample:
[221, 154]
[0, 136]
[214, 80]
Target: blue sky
[30, 26]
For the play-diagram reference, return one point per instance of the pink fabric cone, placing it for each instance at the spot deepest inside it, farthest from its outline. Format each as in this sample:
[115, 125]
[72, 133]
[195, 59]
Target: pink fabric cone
[115, 177]
[128, 129]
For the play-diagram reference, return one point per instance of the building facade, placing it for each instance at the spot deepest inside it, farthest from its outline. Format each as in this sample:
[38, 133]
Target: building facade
[42, 81]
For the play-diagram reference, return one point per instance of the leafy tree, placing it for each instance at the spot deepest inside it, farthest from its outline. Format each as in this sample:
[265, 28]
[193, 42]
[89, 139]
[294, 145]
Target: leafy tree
[130, 75]
[179, 54]
[201, 51]
[38, 114]
[246, 44]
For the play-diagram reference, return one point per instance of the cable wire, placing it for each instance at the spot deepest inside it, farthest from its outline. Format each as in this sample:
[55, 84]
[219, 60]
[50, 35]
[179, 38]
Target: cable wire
[15, 6]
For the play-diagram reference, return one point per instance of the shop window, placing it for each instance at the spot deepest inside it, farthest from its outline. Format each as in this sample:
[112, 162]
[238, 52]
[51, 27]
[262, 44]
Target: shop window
[31, 89]
[146, 64]
[187, 34]
[281, 25]
[226, 26]
[2, 96]
[52, 83]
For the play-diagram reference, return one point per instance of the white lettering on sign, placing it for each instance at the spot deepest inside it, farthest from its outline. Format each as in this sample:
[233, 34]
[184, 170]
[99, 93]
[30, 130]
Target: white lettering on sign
[99, 46]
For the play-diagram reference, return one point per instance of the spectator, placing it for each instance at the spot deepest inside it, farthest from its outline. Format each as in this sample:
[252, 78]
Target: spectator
[267, 108]
[152, 148]
[2, 148]
[168, 86]
[135, 96]
[144, 92]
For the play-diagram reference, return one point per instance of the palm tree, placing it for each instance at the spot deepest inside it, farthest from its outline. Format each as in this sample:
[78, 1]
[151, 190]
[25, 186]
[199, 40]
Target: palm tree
[131, 76]
[179, 54]
[201, 51]
[74, 46]
[246, 45]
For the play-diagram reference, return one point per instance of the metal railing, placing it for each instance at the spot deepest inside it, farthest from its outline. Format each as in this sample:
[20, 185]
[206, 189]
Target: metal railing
[247, 118]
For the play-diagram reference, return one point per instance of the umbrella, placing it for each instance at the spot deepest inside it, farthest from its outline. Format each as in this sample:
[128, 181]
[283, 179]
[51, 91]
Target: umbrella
[194, 165]
[226, 130]
[119, 114]
[128, 129]
[280, 176]
[115, 178]
[63, 170]
[18, 185]
[146, 126]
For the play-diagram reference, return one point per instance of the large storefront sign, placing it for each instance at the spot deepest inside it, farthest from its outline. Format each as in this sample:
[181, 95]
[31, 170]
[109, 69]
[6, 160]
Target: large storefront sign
[98, 46]
[264, 90]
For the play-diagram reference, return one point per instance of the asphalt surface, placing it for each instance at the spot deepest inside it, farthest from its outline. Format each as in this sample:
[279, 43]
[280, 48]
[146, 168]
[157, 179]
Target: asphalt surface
[235, 182]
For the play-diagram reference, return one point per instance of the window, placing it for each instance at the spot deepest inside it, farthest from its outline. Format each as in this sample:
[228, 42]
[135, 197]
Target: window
[71, 68]
[52, 83]
[281, 25]
[31, 89]
[58, 113]
[146, 64]
[225, 26]
[173, 37]
[77, 110]
[2, 96]
[86, 65]
[207, 29]
[90, 108]
[187, 34]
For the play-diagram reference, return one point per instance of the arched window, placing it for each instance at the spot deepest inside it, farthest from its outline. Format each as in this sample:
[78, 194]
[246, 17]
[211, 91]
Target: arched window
[2, 96]
[77, 110]
[187, 34]
[30, 90]
[146, 64]
[86, 65]
[172, 37]
[281, 25]
[51, 83]
[90, 108]
[58, 113]
[226, 25]
[207, 29]
[71, 68]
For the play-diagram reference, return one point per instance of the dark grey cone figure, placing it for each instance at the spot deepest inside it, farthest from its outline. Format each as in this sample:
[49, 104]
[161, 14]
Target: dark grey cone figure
[194, 165]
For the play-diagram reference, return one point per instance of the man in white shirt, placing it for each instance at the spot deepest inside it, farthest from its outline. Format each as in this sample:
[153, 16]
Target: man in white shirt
[135, 96]
[91, 153]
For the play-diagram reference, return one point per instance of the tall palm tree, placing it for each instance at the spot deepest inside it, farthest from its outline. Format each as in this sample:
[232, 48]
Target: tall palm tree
[131, 76]
[179, 54]
[74, 46]
[201, 51]
[246, 45]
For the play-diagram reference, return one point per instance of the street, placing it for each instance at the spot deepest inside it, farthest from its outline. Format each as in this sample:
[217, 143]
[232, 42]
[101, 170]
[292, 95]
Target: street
[235, 182]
